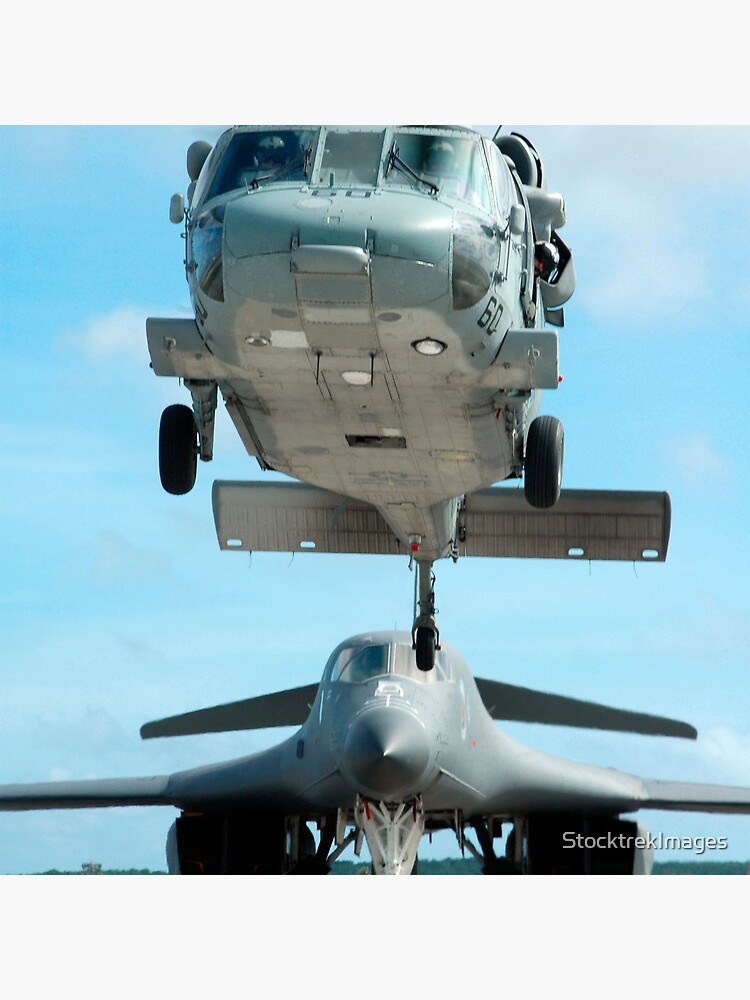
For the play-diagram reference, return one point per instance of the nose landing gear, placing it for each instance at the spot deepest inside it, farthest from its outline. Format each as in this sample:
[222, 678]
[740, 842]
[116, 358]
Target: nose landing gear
[393, 832]
[425, 634]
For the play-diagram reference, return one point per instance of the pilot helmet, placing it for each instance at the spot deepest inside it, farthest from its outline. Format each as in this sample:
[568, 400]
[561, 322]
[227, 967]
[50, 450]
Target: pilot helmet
[271, 149]
[440, 154]
[546, 256]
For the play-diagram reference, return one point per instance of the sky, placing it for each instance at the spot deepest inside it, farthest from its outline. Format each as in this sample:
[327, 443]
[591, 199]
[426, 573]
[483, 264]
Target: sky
[117, 606]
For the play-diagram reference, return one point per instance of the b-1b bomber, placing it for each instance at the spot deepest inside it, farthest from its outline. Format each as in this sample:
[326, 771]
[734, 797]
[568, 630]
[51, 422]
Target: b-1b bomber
[386, 753]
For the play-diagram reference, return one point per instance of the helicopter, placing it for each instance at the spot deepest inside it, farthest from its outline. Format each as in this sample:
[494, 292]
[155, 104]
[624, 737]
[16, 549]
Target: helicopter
[379, 309]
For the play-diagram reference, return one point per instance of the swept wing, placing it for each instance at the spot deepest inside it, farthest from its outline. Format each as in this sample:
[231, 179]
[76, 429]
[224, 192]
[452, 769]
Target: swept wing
[281, 708]
[687, 796]
[510, 703]
[85, 794]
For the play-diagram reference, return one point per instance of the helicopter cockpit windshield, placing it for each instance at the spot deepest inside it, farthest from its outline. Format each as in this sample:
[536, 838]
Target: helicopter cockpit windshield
[446, 163]
[361, 661]
[450, 165]
[259, 157]
[350, 159]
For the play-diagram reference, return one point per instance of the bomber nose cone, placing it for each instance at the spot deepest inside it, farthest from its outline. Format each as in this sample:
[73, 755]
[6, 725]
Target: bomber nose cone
[386, 752]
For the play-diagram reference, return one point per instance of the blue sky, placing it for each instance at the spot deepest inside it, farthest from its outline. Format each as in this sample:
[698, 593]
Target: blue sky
[116, 605]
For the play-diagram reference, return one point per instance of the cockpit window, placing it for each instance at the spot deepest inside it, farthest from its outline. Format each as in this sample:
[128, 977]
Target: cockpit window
[405, 664]
[363, 661]
[452, 165]
[350, 159]
[501, 180]
[359, 663]
[261, 157]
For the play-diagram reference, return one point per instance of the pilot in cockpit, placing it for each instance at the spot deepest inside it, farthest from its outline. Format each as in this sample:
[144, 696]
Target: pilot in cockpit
[440, 159]
[272, 152]
[442, 168]
[546, 260]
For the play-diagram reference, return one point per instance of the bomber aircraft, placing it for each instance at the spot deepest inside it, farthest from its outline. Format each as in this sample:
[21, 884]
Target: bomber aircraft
[379, 309]
[388, 753]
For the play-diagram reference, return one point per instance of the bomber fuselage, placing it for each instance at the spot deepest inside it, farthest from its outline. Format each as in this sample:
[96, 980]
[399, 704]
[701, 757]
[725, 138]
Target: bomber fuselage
[382, 729]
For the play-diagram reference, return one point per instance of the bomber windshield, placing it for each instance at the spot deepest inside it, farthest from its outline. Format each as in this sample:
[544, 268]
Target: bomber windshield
[263, 157]
[405, 663]
[363, 661]
[453, 166]
[359, 663]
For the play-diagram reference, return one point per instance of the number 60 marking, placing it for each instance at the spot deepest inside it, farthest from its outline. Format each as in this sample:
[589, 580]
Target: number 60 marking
[490, 318]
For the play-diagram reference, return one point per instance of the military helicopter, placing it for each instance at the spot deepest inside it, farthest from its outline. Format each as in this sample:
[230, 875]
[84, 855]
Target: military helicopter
[387, 753]
[379, 309]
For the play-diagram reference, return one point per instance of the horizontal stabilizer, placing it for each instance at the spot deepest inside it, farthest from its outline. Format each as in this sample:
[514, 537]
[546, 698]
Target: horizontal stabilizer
[687, 796]
[295, 517]
[626, 525]
[281, 708]
[509, 703]
[90, 794]
[583, 524]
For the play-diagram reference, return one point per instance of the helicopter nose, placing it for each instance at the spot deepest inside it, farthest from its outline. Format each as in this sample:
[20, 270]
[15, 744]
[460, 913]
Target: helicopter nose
[386, 752]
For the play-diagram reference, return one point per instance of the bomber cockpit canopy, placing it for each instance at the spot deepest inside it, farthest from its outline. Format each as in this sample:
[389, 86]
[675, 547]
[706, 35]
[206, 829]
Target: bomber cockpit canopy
[364, 657]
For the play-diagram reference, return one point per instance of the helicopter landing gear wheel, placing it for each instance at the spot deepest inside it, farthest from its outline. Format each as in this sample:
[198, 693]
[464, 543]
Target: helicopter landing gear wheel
[544, 461]
[178, 449]
[425, 636]
[426, 641]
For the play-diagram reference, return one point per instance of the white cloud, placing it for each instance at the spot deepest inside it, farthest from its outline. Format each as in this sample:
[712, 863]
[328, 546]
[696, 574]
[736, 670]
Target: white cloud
[120, 332]
[727, 630]
[661, 159]
[115, 343]
[648, 211]
[114, 559]
[727, 754]
[59, 774]
[697, 460]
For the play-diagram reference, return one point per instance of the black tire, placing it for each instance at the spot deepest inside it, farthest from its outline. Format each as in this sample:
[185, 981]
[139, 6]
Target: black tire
[544, 461]
[178, 449]
[425, 648]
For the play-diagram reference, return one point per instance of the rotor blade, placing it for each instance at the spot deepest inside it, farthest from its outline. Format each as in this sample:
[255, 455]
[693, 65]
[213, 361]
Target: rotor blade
[518, 704]
[282, 708]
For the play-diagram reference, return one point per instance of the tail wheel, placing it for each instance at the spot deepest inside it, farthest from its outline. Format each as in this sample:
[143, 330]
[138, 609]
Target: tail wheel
[178, 449]
[544, 461]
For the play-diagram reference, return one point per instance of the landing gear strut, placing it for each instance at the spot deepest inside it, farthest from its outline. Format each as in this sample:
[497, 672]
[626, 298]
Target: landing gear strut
[425, 635]
[393, 832]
